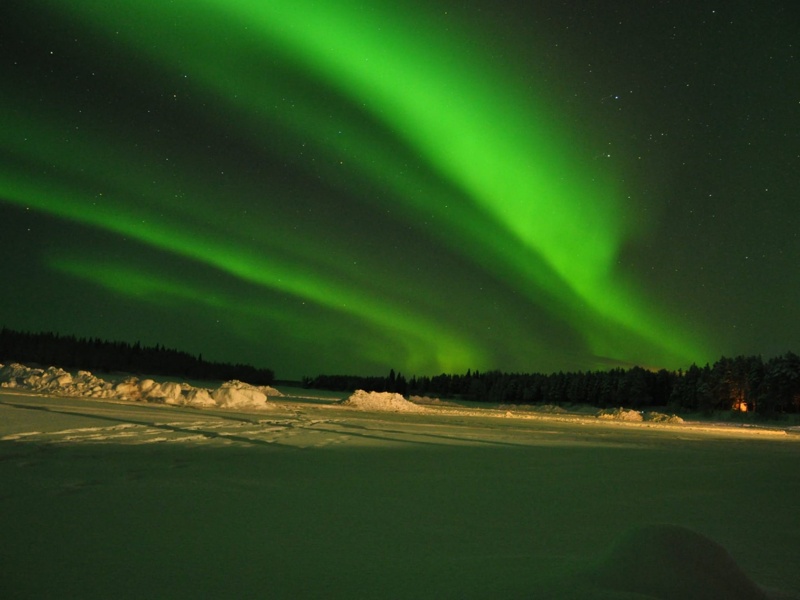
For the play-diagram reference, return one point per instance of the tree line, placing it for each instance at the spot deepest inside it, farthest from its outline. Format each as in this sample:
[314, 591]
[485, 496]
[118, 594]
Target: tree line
[94, 354]
[744, 383]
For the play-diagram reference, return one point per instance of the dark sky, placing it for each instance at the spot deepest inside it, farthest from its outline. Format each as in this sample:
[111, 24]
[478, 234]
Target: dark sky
[428, 187]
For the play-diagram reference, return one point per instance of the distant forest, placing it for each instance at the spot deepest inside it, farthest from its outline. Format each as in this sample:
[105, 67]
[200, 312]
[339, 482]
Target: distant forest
[744, 383]
[94, 354]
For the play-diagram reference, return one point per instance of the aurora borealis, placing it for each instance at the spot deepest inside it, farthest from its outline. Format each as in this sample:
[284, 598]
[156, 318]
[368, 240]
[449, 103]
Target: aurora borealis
[349, 187]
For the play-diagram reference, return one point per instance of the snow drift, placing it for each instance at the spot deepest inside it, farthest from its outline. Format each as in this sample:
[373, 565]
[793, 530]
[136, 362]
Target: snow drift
[635, 416]
[381, 401]
[674, 563]
[57, 381]
[620, 414]
[235, 394]
[54, 380]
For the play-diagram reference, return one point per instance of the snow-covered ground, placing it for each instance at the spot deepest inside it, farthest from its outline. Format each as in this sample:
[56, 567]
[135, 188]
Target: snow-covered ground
[107, 497]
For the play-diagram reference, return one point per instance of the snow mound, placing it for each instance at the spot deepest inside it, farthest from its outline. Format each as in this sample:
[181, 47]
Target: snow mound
[54, 380]
[269, 391]
[620, 414]
[672, 562]
[199, 398]
[58, 382]
[235, 394]
[635, 416]
[147, 390]
[657, 417]
[383, 401]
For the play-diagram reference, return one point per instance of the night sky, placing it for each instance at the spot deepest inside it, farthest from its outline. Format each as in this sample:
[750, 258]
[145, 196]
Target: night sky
[352, 186]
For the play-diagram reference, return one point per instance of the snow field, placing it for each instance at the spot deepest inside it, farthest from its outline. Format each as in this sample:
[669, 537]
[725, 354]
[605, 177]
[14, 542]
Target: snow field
[102, 498]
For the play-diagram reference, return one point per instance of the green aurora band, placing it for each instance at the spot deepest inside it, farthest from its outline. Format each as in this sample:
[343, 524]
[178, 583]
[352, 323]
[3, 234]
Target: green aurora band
[441, 138]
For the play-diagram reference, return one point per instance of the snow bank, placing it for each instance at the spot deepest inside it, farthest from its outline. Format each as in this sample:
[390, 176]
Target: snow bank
[54, 380]
[235, 394]
[620, 414]
[635, 416]
[657, 417]
[58, 382]
[147, 390]
[199, 398]
[385, 401]
[672, 562]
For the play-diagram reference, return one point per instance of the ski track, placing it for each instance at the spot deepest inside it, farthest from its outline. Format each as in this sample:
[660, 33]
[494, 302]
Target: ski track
[298, 432]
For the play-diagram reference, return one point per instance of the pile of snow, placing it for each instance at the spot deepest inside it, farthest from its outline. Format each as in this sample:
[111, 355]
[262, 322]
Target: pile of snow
[58, 382]
[620, 414]
[269, 391]
[382, 401]
[54, 380]
[657, 417]
[635, 416]
[147, 390]
[672, 562]
[235, 394]
[198, 398]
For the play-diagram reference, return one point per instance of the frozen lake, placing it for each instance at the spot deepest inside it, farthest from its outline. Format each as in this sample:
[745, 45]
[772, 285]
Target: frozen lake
[104, 499]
